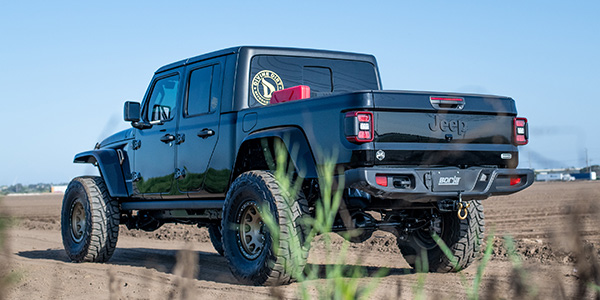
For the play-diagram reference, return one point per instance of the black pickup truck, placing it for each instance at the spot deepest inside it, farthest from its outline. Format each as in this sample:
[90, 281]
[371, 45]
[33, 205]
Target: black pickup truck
[201, 151]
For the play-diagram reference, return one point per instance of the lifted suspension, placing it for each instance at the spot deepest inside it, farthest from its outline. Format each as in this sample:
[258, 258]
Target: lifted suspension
[397, 224]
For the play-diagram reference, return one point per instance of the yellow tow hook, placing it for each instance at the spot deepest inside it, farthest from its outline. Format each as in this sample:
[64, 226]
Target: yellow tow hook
[462, 210]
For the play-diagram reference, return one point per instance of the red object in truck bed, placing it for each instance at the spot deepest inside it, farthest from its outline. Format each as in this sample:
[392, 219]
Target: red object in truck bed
[290, 94]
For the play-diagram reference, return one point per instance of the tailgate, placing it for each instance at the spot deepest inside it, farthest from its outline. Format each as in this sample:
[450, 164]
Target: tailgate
[433, 129]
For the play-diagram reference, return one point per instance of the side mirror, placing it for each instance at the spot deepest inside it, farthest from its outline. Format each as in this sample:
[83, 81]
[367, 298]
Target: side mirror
[131, 111]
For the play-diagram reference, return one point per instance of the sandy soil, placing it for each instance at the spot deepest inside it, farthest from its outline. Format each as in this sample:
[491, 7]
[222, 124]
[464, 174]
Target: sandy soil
[542, 219]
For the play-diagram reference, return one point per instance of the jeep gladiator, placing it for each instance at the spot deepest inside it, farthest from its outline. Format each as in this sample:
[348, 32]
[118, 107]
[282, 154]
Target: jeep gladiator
[201, 151]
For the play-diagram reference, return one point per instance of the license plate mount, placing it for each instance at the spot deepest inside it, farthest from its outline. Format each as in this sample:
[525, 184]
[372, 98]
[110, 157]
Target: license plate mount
[449, 180]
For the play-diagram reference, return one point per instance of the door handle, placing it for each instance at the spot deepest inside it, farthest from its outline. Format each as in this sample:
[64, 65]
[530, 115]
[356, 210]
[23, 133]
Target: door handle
[167, 138]
[204, 133]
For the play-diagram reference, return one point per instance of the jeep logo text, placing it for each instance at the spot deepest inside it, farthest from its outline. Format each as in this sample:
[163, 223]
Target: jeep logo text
[458, 126]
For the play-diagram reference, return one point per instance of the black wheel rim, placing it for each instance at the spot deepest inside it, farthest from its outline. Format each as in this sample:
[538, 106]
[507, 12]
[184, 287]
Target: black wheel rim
[78, 221]
[250, 234]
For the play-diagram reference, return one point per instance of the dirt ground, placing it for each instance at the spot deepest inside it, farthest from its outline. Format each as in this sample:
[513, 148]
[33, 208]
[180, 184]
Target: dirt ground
[542, 220]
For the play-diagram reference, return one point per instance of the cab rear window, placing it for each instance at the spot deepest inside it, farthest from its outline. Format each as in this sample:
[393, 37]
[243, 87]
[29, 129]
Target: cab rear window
[269, 73]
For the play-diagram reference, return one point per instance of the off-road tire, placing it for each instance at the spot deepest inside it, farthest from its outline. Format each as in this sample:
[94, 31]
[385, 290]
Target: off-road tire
[89, 220]
[278, 261]
[214, 232]
[463, 237]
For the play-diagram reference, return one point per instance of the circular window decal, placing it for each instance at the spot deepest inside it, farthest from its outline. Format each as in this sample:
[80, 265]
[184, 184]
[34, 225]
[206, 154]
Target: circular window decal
[264, 84]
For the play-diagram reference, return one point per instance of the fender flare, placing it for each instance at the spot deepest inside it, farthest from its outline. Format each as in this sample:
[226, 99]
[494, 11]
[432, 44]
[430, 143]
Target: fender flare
[113, 167]
[295, 141]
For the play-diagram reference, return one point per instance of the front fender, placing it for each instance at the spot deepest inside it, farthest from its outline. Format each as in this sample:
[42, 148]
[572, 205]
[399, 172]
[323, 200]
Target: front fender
[112, 165]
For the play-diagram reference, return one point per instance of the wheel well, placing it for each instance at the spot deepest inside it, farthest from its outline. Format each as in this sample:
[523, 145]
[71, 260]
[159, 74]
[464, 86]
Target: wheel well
[260, 154]
[113, 167]
[251, 156]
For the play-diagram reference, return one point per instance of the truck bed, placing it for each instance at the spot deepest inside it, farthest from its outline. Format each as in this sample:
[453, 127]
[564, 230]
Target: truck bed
[407, 127]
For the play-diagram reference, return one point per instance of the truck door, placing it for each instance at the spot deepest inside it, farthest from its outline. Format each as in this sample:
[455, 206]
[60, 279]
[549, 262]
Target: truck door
[199, 125]
[154, 147]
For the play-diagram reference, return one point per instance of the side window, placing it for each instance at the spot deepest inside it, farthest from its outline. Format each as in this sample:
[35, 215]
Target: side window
[198, 101]
[163, 99]
[203, 91]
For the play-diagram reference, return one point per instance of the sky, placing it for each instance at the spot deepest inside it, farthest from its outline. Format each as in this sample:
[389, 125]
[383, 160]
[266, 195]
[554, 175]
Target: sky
[66, 68]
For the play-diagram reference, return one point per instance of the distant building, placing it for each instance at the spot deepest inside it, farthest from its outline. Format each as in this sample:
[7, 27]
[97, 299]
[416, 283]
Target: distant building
[569, 174]
[554, 177]
[60, 189]
[585, 176]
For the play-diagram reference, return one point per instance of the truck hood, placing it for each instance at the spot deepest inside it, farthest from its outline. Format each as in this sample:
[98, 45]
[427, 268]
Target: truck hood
[118, 137]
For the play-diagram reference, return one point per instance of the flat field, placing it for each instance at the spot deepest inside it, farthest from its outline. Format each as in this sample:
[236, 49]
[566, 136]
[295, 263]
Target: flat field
[550, 223]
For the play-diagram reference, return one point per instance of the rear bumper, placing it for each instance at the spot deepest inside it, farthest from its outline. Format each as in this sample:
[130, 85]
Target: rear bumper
[430, 185]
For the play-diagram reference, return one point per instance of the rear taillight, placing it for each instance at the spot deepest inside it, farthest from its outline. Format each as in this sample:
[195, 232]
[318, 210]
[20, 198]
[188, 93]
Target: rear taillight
[520, 131]
[515, 180]
[381, 180]
[359, 126]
